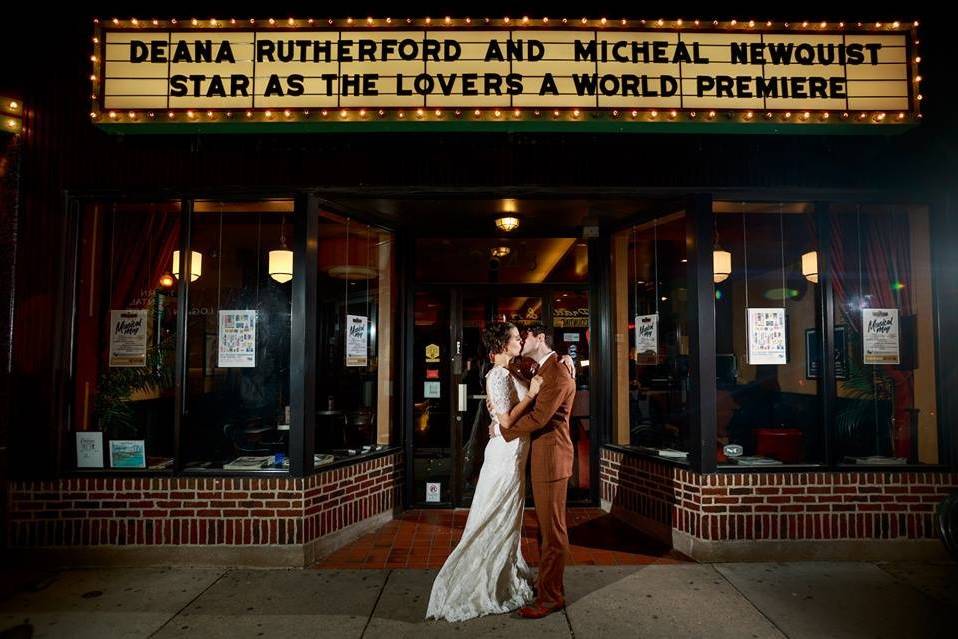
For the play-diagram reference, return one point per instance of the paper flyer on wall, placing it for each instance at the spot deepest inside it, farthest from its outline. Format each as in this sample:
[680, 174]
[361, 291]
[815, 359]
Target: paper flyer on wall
[237, 339]
[647, 338]
[767, 341]
[128, 329]
[881, 336]
[357, 340]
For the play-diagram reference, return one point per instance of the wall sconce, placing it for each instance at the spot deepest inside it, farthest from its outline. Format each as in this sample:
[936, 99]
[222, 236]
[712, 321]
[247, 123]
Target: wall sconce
[11, 111]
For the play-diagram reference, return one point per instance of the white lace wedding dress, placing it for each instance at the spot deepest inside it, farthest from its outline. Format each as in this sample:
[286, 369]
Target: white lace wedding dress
[486, 573]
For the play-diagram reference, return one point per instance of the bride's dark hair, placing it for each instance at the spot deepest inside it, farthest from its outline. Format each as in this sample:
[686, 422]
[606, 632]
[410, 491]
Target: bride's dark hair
[495, 336]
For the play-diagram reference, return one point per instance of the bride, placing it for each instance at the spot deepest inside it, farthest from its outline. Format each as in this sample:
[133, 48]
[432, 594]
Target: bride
[486, 573]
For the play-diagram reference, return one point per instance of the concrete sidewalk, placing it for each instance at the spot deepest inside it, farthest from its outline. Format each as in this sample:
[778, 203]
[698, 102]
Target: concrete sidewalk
[746, 600]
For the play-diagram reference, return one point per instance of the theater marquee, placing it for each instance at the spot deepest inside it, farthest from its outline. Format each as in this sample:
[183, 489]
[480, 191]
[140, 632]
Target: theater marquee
[506, 73]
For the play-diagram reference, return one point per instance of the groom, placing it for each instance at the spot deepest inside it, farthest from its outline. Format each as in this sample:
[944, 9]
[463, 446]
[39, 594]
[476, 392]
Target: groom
[548, 424]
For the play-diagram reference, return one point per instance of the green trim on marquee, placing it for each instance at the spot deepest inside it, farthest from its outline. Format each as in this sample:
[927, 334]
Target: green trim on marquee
[523, 126]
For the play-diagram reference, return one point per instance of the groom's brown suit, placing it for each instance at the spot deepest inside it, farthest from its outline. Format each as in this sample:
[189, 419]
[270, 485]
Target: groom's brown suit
[551, 465]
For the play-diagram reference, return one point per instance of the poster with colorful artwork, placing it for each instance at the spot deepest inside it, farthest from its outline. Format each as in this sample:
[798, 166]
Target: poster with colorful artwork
[767, 343]
[237, 339]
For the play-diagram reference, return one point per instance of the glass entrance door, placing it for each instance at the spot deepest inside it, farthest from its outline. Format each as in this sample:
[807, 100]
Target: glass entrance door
[450, 420]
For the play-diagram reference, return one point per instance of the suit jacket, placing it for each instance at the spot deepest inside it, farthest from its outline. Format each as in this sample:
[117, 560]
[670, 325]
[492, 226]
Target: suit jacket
[548, 424]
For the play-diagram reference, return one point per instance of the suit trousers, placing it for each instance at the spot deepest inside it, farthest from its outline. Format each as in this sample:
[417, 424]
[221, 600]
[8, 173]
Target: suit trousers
[550, 502]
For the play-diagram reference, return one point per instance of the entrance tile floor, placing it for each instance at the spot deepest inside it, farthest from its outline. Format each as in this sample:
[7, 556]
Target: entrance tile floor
[424, 539]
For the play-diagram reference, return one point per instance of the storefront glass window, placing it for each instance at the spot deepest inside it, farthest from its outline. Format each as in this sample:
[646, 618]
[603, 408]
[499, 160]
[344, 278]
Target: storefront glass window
[767, 334]
[356, 365]
[238, 342]
[886, 406]
[651, 393]
[125, 336]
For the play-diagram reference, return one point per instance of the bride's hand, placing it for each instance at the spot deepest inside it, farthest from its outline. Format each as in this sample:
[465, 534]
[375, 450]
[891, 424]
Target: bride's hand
[569, 364]
[535, 385]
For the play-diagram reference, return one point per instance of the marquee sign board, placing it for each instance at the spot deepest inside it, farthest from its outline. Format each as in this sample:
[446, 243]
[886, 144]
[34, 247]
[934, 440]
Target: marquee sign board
[504, 73]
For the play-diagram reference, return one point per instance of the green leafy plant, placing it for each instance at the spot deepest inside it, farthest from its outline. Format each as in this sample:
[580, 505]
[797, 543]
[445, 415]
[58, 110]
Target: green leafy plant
[114, 412]
[868, 385]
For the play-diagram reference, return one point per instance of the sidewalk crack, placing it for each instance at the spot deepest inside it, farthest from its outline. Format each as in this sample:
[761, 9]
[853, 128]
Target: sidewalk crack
[375, 605]
[189, 603]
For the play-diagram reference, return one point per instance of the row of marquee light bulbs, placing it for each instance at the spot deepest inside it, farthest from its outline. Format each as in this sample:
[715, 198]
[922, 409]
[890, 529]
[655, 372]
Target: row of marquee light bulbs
[370, 21]
[722, 265]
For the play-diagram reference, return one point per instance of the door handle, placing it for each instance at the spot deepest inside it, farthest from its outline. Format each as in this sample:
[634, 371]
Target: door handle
[463, 394]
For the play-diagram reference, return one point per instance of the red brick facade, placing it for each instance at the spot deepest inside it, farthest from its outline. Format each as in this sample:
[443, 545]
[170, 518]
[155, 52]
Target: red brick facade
[201, 511]
[776, 506]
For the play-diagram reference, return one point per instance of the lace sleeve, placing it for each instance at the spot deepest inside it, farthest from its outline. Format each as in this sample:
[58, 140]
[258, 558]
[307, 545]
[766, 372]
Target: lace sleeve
[499, 389]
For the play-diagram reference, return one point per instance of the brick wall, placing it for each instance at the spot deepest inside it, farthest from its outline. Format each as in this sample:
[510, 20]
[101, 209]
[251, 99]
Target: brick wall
[339, 498]
[776, 506]
[200, 511]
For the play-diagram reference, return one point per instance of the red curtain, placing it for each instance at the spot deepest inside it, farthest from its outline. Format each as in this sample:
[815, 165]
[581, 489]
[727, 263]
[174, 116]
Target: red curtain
[122, 255]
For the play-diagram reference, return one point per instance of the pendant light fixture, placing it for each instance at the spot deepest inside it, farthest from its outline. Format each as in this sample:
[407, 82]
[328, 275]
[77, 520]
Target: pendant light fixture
[810, 266]
[721, 260]
[281, 259]
[196, 265]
